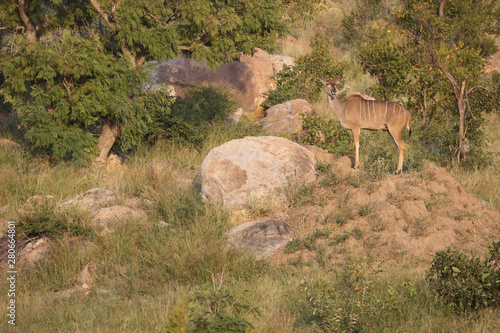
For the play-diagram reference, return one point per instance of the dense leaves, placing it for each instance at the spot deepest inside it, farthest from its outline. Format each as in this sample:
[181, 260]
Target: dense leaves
[69, 66]
[301, 80]
[63, 87]
[466, 283]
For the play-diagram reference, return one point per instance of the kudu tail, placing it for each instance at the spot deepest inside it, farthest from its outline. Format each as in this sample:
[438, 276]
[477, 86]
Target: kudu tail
[408, 126]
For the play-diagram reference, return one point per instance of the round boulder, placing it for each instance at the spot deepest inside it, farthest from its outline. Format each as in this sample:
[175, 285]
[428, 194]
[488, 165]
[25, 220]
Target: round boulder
[251, 169]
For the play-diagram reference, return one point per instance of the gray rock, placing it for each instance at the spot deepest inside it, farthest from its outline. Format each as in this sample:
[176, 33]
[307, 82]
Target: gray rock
[107, 218]
[263, 237]
[91, 200]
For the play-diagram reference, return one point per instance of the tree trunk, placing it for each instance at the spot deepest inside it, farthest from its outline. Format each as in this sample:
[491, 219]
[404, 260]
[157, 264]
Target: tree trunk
[108, 137]
[30, 32]
[463, 142]
[426, 108]
[441, 7]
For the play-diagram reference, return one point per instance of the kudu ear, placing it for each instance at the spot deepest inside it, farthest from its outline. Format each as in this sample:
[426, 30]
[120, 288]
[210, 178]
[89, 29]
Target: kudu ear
[337, 80]
[323, 80]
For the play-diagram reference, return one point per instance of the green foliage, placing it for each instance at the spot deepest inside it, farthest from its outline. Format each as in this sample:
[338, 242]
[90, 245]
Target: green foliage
[308, 243]
[356, 25]
[216, 308]
[472, 22]
[78, 64]
[63, 88]
[466, 283]
[301, 80]
[187, 120]
[343, 305]
[326, 134]
[386, 60]
[177, 319]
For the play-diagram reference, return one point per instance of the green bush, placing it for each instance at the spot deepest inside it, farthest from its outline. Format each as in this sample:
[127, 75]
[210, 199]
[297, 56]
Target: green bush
[466, 283]
[326, 134]
[301, 80]
[217, 308]
[189, 119]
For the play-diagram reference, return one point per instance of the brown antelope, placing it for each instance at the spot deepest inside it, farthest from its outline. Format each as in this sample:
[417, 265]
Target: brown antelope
[356, 113]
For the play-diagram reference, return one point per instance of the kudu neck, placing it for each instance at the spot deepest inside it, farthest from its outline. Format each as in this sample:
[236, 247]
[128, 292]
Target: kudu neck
[336, 104]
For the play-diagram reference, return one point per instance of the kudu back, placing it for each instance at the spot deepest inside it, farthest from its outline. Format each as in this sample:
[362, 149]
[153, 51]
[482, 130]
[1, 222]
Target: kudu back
[356, 113]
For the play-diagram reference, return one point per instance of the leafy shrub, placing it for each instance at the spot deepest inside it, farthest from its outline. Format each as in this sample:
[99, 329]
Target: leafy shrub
[326, 134]
[466, 283]
[301, 80]
[189, 119]
[217, 308]
[343, 305]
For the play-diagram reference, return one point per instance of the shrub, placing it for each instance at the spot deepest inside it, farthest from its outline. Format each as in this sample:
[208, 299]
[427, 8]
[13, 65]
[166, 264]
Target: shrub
[466, 283]
[326, 134]
[217, 308]
[339, 305]
[301, 80]
[189, 119]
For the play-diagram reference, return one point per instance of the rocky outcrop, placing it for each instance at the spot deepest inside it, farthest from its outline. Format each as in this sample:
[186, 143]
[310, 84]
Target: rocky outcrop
[254, 168]
[286, 118]
[248, 80]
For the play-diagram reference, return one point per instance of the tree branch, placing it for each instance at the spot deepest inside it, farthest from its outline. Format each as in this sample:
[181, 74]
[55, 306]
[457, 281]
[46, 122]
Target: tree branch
[102, 13]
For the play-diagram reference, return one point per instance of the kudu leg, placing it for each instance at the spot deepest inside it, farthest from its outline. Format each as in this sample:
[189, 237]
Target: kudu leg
[355, 137]
[398, 141]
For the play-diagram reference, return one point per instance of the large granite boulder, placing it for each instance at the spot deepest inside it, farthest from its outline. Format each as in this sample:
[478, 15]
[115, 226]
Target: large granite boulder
[253, 169]
[248, 80]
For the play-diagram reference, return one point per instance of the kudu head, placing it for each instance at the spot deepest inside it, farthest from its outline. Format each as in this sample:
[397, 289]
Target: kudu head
[331, 85]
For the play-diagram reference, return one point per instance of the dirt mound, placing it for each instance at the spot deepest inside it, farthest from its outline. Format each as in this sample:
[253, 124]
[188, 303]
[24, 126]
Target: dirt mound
[394, 219]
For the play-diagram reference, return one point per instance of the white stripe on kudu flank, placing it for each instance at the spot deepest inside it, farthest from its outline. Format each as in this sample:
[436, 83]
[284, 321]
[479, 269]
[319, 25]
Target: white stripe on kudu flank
[385, 115]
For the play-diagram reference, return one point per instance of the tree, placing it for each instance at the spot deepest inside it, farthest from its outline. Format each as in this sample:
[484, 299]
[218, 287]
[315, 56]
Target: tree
[431, 55]
[453, 36]
[73, 69]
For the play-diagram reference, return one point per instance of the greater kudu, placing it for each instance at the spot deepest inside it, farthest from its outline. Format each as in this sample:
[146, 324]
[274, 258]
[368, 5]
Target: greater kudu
[356, 113]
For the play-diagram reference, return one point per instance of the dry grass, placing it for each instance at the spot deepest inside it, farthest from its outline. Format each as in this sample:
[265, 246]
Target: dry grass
[484, 183]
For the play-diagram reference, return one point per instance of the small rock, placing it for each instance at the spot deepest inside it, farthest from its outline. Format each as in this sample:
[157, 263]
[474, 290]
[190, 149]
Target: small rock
[87, 275]
[235, 116]
[286, 118]
[34, 203]
[108, 217]
[91, 200]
